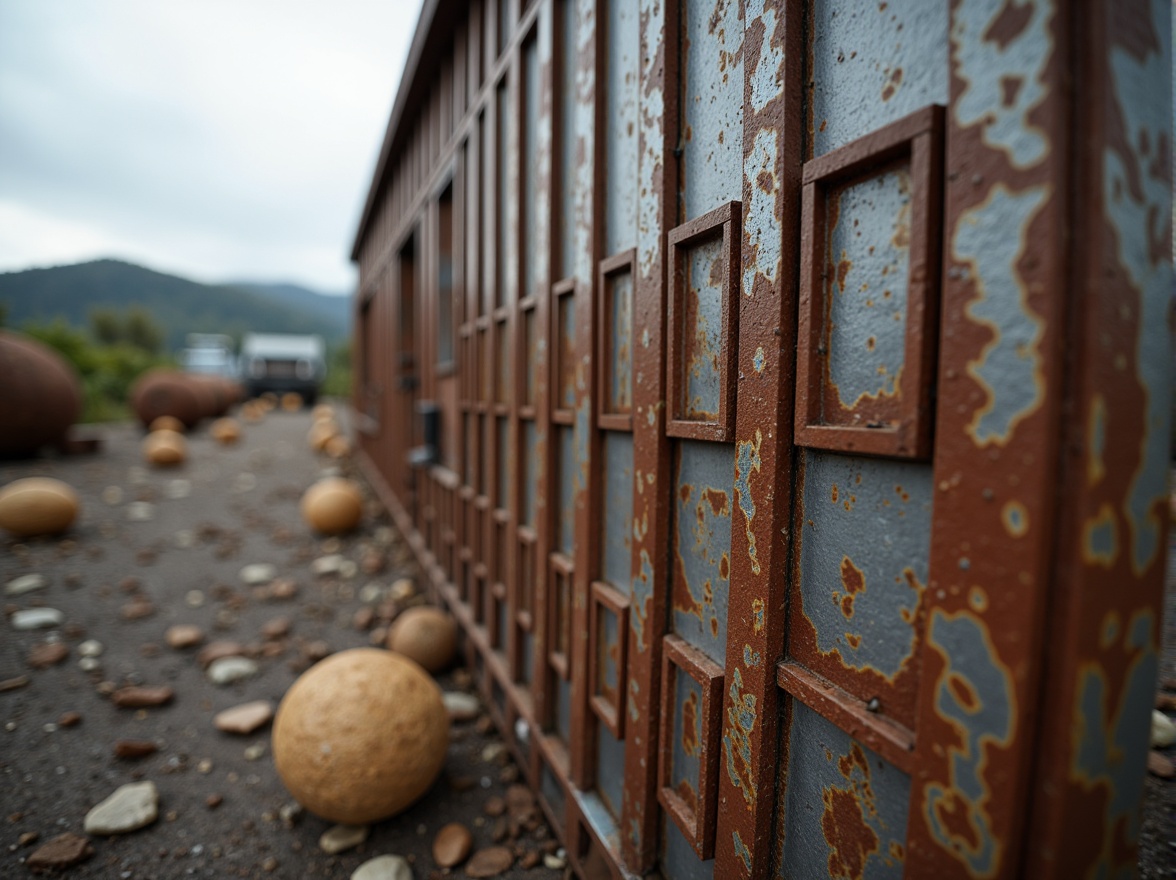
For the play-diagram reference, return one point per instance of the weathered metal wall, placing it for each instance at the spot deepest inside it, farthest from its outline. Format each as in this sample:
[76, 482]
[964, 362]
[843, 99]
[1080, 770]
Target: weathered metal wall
[802, 370]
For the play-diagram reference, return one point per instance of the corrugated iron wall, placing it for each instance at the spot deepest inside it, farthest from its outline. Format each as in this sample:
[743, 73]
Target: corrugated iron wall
[801, 380]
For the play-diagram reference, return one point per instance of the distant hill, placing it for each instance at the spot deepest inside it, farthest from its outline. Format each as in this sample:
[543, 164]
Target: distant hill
[178, 305]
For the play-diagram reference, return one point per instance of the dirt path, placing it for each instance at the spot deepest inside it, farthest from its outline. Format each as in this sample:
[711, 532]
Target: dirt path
[156, 548]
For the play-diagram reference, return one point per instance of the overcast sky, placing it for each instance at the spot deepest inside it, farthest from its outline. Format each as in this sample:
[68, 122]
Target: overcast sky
[216, 139]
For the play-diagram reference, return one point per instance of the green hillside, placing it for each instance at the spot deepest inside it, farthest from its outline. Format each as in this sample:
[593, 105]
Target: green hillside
[176, 304]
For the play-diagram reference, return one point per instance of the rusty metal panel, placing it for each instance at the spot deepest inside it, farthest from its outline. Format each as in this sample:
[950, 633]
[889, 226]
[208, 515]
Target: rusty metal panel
[617, 509]
[532, 472]
[845, 809]
[621, 97]
[610, 770]
[864, 534]
[702, 331]
[566, 494]
[711, 77]
[701, 561]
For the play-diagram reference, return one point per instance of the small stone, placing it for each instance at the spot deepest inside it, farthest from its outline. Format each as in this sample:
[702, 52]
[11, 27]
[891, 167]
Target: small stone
[28, 837]
[213, 801]
[461, 706]
[140, 511]
[255, 752]
[554, 862]
[490, 862]
[184, 635]
[177, 489]
[1163, 731]
[283, 588]
[26, 583]
[363, 619]
[494, 806]
[340, 838]
[47, 654]
[227, 670]
[494, 752]
[276, 628]
[290, 813]
[137, 609]
[259, 573]
[13, 684]
[63, 851]
[90, 648]
[89, 664]
[529, 860]
[325, 565]
[214, 651]
[37, 618]
[246, 718]
[184, 539]
[402, 589]
[194, 598]
[112, 495]
[452, 845]
[270, 864]
[383, 868]
[69, 719]
[135, 697]
[1159, 764]
[134, 748]
[131, 807]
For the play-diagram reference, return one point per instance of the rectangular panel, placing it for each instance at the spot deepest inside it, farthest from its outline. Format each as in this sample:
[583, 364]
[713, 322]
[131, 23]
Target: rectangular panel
[869, 291]
[700, 563]
[503, 362]
[691, 704]
[622, 75]
[529, 159]
[530, 359]
[844, 807]
[532, 463]
[505, 459]
[712, 105]
[566, 491]
[610, 769]
[614, 354]
[702, 325]
[505, 282]
[617, 509]
[609, 642]
[563, 354]
[898, 63]
[857, 607]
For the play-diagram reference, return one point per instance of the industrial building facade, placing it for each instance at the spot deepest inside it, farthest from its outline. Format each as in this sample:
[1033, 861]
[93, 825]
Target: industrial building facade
[776, 393]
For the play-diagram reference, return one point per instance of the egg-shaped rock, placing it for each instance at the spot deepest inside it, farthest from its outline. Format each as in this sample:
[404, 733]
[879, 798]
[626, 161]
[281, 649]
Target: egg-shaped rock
[226, 431]
[166, 423]
[332, 506]
[320, 434]
[37, 506]
[338, 447]
[40, 395]
[360, 736]
[426, 635]
[167, 393]
[291, 401]
[165, 448]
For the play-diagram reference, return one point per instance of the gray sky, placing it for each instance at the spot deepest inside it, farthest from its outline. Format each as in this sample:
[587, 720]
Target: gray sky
[216, 139]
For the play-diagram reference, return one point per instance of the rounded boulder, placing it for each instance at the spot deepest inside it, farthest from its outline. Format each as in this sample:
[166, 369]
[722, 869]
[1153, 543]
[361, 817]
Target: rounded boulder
[40, 395]
[360, 736]
[425, 635]
[37, 506]
[332, 506]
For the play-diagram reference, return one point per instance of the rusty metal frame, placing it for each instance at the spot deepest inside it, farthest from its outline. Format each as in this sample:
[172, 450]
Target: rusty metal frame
[723, 222]
[609, 268]
[697, 823]
[607, 599]
[904, 428]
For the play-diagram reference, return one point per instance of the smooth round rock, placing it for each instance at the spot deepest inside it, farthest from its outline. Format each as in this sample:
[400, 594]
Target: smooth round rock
[244, 719]
[37, 618]
[37, 506]
[166, 423]
[452, 845]
[425, 634]
[164, 448]
[360, 736]
[291, 401]
[321, 433]
[1163, 730]
[340, 838]
[227, 670]
[332, 506]
[131, 807]
[40, 395]
[384, 868]
[167, 393]
[225, 431]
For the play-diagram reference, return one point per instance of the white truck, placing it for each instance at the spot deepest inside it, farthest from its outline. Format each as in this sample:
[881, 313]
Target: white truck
[281, 362]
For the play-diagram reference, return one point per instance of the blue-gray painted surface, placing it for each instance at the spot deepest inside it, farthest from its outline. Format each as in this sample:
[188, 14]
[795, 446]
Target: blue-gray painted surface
[622, 96]
[702, 330]
[838, 796]
[702, 545]
[610, 769]
[617, 509]
[566, 380]
[551, 790]
[712, 105]
[531, 157]
[506, 287]
[686, 739]
[566, 493]
[620, 345]
[866, 285]
[563, 709]
[873, 63]
[606, 656]
[864, 552]
[679, 861]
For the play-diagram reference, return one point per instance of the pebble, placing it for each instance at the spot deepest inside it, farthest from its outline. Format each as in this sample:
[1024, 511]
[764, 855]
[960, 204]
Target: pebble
[137, 609]
[490, 862]
[69, 719]
[134, 748]
[131, 807]
[213, 801]
[245, 718]
[140, 511]
[214, 651]
[461, 706]
[402, 589]
[340, 838]
[327, 564]
[13, 684]
[452, 845]
[177, 489]
[255, 752]
[383, 868]
[62, 851]
[112, 495]
[194, 598]
[555, 862]
[136, 697]
[184, 539]
[276, 628]
[91, 648]
[89, 664]
[258, 573]
[184, 635]
[1163, 731]
[227, 670]
[26, 583]
[1159, 764]
[47, 654]
[37, 618]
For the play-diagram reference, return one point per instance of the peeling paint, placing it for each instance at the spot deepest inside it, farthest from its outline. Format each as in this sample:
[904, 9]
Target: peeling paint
[991, 239]
[737, 733]
[747, 459]
[1100, 539]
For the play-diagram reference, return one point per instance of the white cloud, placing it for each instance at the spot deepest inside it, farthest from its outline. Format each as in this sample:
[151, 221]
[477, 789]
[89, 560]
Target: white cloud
[222, 138]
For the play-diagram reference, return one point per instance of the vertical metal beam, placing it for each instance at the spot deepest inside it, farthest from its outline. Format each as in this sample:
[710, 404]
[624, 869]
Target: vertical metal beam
[773, 48]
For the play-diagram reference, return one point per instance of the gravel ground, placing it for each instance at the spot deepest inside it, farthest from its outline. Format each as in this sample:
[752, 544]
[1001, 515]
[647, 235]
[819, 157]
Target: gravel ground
[156, 548]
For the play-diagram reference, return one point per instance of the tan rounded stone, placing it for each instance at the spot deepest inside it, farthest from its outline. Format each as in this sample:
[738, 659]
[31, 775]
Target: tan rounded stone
[166, 423]
[425, 634]
[332, 506]
[452, 845]
[165, 448]
[225, 431]
[360, 736]
[37, 506]
[291, 401]
[338, 447]
[320, 434]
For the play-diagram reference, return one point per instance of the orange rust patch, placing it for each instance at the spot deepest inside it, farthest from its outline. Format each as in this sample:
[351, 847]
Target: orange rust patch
[690, 743]
[854, 582]
[684, 492]
[715, 627]
[843, 268]
[892, 84]
[718, 500]
[951, 811]
[851, 841]
[834, 493]
[855, 640]
[725, 567]
[963, 691]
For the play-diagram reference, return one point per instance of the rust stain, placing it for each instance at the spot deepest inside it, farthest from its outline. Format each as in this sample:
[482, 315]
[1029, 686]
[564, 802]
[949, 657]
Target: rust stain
[1010, 88]
[834, 493]
[1009, 24]
[850, 838]
[892, 84]
[842, 270]
[854, 582]
[757, 614]
[690, 740]
[719, 502]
